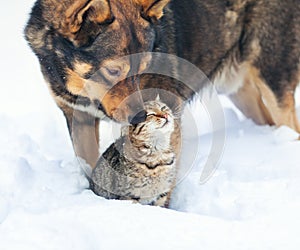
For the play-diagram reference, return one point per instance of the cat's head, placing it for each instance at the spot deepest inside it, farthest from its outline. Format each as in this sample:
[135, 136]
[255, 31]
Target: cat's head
[156, 130]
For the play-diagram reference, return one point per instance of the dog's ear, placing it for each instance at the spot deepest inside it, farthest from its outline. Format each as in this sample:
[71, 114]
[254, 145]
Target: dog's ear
[79, 21]
[95, 11]
[153, 8]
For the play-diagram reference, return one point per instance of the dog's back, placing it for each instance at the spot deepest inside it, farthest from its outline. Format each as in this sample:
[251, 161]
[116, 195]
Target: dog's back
[249, 49]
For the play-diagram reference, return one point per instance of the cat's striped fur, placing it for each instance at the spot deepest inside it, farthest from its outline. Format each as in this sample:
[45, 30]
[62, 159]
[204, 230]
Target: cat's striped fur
[140, 166]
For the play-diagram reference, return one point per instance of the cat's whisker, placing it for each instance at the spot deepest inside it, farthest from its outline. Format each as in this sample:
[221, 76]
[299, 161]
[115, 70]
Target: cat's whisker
[177, 111]
[140, 93]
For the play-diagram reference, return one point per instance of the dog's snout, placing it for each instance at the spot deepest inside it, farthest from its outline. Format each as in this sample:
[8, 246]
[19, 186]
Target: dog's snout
[138, 118]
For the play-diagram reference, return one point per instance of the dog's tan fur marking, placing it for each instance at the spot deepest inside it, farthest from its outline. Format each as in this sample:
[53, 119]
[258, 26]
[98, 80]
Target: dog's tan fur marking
[265, 108]
[86, 88]
[113, 103]
[233, 75]
[75, 83]
[231, 78]
[288, 112]
[231, 27]
[82, 68]
[99, 11]
[86, 141]
[84, 131]
[153, 8]
[157, 9]
[250, 93]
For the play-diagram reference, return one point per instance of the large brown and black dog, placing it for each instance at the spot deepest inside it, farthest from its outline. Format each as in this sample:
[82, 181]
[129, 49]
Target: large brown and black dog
[250, 50]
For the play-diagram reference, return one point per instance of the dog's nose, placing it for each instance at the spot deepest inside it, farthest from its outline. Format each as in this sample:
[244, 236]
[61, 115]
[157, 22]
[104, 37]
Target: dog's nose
[138, 118]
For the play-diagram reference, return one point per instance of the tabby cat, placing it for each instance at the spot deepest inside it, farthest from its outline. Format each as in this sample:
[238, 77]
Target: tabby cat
[140, 165]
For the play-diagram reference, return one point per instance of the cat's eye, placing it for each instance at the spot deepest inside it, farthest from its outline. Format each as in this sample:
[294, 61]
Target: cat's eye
[163, 108]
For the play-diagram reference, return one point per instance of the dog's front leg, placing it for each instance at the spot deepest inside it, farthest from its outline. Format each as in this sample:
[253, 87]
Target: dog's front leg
[84, 132]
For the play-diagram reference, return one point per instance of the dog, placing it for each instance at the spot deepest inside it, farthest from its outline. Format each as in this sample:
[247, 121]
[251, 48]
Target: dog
[249, 49]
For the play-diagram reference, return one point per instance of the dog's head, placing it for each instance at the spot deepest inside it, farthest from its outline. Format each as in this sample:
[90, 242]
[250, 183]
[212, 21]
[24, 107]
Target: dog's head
[83, 48]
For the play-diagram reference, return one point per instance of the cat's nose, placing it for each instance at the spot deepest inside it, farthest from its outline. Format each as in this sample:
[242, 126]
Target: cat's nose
[138, 118]
[165, 116]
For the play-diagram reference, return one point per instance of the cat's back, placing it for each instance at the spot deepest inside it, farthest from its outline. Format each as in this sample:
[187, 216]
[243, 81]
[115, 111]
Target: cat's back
[119, 177]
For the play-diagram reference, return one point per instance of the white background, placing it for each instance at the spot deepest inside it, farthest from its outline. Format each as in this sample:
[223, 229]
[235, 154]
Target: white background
[251, 202]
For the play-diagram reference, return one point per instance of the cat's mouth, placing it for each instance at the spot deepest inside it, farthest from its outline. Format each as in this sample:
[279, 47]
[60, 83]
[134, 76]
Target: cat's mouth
[166, 123]
[161, 116]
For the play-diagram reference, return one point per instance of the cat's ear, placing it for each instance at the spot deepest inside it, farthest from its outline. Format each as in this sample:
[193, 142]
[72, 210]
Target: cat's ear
[157, 98]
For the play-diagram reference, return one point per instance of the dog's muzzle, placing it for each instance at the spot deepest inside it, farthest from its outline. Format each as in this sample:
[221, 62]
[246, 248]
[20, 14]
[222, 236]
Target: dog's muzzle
[138, 118]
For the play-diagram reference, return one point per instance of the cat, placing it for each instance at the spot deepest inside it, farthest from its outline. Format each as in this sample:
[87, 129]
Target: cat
[140, 166]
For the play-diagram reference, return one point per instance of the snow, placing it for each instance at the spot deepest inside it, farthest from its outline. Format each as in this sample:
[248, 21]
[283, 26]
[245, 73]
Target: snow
[252, 201]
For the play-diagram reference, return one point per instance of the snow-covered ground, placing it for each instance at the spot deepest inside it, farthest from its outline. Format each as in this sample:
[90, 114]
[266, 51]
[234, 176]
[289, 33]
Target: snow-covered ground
[251, 202]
